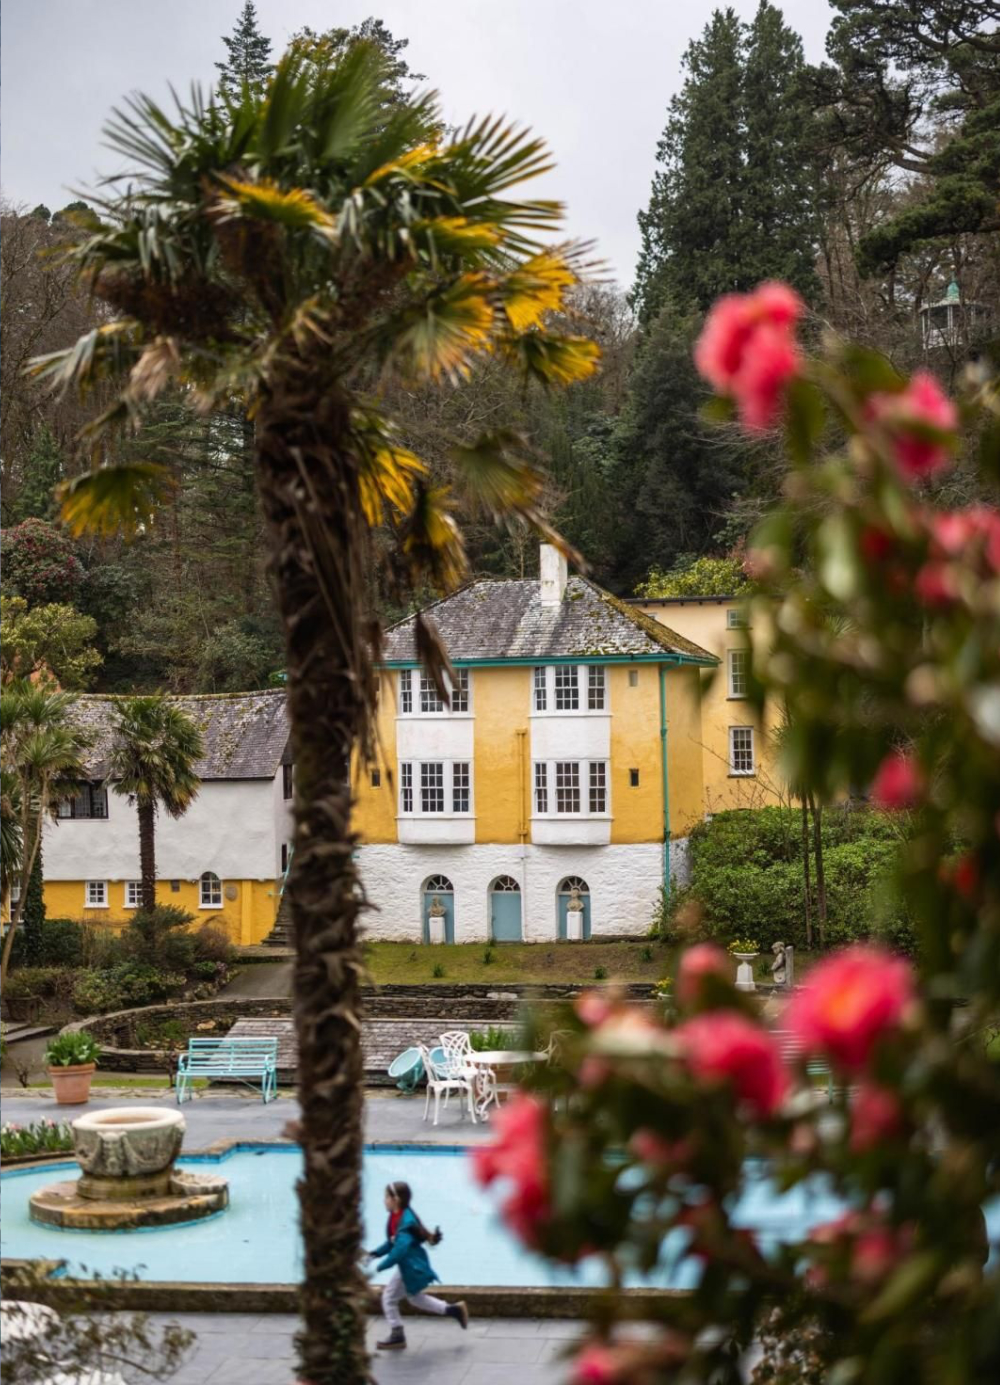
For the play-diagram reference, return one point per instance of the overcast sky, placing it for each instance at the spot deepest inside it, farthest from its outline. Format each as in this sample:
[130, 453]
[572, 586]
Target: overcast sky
[592, 76]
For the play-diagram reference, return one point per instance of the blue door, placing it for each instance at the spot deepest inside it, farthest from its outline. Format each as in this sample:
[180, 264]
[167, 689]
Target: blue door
[505, 910]
[439, 887]
[565, 891]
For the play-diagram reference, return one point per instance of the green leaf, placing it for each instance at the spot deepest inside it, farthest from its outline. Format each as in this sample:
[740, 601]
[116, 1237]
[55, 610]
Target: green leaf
[838, 558]
[114, 498]
[805, 419]
[719, 409]
[910, 1283]
[869, 371]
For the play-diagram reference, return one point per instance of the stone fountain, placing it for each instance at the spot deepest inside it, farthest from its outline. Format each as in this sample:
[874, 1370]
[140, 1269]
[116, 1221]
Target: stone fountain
[129, 1181]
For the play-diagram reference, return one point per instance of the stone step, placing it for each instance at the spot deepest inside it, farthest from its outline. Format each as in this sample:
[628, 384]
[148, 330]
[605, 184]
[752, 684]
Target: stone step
[15, 1033]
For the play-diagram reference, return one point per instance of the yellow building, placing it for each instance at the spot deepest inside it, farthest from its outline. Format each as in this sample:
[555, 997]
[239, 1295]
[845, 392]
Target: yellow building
[738, 755]
[222, 861]
[569, 759]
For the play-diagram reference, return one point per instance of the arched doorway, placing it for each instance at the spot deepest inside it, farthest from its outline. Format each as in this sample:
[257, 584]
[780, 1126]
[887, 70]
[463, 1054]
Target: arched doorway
[505, 910]
[562, 903]
[439, 887]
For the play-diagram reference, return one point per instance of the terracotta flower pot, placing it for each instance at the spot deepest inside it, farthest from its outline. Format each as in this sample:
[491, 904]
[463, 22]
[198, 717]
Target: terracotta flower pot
[71, 1085]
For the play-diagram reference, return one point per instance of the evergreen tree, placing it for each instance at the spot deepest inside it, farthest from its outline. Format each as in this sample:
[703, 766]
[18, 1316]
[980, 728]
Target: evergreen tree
[43, 470]
[247, 63]
[733, 201]
[33, 918]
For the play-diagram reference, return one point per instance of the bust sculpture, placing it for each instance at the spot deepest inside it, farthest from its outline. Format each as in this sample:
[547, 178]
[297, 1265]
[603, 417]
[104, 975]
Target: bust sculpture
[436, 910]
[779, 969]
[575, 901]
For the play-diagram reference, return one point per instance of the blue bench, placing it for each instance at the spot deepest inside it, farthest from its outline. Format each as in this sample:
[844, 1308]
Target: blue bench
[230, 1060]
[816, 1068]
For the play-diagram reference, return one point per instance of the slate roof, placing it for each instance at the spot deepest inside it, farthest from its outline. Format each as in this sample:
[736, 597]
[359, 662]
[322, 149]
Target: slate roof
[245, 733]
[506, 620]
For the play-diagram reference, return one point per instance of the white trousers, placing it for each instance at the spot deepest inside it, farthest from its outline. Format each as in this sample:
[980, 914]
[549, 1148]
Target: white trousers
[395, 1290]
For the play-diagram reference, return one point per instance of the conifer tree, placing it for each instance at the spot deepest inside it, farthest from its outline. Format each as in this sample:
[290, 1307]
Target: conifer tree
[247, 62]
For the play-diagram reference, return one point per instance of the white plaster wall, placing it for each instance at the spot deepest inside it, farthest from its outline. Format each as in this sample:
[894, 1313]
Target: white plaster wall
[283, 818]
[624, 886]
[569, 736]
[569, 831]
[229, 829]
[435, 737]
[437, 828]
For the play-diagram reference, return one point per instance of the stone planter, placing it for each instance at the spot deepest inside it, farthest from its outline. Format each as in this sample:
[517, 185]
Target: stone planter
[744, 972]
[71, 1085]
[128, 1152]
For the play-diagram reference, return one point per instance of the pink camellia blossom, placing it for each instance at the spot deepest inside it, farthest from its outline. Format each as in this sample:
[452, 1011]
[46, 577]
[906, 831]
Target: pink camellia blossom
[876, 1116]
[596, 1365]
[898, 782]
[659, 1152]
[936, 585]
[593, 1008]
[848, 1002]
[697, 962]
[905, 414]
[747, 350]
[727, 1047]
[874, 1247]
[517, 1156]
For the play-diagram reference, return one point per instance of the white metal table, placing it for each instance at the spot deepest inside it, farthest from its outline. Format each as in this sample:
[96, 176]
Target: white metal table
[491, 1062]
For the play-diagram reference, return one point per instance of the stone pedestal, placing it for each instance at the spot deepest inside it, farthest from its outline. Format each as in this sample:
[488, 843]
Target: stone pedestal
[744, 972]
[574, 925]
[435, 928]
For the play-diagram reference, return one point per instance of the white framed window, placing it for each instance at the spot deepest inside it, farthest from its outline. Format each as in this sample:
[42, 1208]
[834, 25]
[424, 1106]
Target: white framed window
[460, 691]
[741, 750]
[444, 788]
[418, 695]
[96, 894]
[133, 894]
[90, 802]
[15, 892]
[406, 691]
[735, 619]
[429, 699]
[571, 788]
[569, 688]
[738, 668]
[210, 891]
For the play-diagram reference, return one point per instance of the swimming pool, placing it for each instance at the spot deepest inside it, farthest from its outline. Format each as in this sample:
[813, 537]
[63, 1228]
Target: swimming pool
[256, 1240]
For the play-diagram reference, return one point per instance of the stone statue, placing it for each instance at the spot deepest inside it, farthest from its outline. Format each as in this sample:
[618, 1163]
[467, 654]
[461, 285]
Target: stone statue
[575, 900]
[436, 911]
[779, 967]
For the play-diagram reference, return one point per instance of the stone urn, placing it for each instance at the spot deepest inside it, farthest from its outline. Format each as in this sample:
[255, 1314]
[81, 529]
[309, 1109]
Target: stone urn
[128, 1152]
[71, 1084]
[744, 972]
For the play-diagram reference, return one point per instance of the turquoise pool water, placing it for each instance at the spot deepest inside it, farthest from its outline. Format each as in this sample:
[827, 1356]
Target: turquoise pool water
[257, 1241]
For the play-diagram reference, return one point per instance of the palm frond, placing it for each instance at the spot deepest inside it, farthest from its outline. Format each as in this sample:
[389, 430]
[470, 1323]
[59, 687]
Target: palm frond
[537, 286]
[430, 542]
[441, 335]
[114, 499]
[495, 474]
[294, 208]
[551, 359]
[108, 350]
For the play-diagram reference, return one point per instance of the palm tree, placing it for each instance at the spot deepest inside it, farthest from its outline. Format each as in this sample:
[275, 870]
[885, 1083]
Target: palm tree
[43, 750]
[302, 251]
[155, 748]
[10, 830]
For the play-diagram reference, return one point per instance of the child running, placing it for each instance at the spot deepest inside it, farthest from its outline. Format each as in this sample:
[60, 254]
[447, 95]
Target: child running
[403, 1252]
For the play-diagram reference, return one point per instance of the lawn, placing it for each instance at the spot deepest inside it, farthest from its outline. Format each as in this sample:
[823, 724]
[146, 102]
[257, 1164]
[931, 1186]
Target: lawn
[402, 963]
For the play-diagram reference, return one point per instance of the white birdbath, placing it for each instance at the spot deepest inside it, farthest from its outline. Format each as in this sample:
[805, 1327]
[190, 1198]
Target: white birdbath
[744, 972]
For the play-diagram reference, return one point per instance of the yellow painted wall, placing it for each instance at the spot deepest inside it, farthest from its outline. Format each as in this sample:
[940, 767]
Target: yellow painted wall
[705, 623]
[685, 769]
[501, 700]
[374, 813]
[247, 919]
[637, 813]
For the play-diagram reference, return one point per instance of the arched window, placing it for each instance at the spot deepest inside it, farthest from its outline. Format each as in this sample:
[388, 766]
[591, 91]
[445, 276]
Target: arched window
[505, 884]
[211, 891]
[574, 882]
[439, 884]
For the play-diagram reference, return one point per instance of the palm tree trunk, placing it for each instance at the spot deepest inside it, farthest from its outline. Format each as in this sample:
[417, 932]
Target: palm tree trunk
[805, 871]
[311, 503]
[817, 812]
[147, 852]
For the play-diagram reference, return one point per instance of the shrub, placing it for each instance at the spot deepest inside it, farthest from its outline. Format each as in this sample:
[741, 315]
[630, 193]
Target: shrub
[122, 987]
[71, 1048]
[162, 1034]
[646, 954]
[600, 973]
[488, 956]
[159, 938]
[438, 971]
[211, 944]
[51, 983]
[57, 943]
[40, 1137]
[489, 1040]
[209, 971]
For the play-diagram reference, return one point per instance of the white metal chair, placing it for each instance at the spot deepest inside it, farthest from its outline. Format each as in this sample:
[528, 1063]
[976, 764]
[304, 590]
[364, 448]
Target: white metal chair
[442, 1079]
[457, 1046]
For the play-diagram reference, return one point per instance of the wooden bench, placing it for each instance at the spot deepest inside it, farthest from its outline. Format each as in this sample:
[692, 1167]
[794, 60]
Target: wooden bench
[236, 1060]
[791, 1052]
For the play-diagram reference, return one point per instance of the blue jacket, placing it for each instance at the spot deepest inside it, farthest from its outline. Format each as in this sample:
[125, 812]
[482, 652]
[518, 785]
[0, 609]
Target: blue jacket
[407, 1251]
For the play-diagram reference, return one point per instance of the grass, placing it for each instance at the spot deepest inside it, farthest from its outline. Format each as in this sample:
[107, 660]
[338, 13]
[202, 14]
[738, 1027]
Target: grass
[141, 1081]
[402, 963]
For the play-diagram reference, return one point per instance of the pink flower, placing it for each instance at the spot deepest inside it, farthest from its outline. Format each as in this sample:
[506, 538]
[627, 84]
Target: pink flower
[907, 414]
[876, 1115]
[596, 1365]
[727, 1047]
[517, 1156]
[849, 1002]
[747, 350]
[898, 782]
[696, 962]
[593, 1008]
[651, 1148]
[935, 585]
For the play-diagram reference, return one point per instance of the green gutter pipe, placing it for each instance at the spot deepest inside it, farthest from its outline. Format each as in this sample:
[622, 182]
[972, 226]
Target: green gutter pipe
[710, 661]
[665, 779]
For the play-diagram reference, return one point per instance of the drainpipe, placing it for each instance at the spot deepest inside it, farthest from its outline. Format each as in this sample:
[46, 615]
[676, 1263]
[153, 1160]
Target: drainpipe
[665, 780]
[522, 821]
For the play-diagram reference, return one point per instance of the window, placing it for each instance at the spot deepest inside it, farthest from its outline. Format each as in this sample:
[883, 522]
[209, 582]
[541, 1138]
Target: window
[376, 778]
[406, 788]
[633, 677]
[133, 894]
[595, 688]
[284, 858]
[580, 788]
[211, 891]
[429, 699]
[460, 691]
[633, 778]
[741, 759]
[287, 781]
[541, 701]
[567, 689]
[735, 619]
[460, 786]
[15, 892]
[90, 802]
[96, 894]
[432, 787]
[738, 661]
[406, 691]
[598, 787]
[505, 884]
[567, 786]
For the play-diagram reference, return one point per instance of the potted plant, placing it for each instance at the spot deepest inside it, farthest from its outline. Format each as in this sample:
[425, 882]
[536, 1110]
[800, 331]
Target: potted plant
[72, 1059]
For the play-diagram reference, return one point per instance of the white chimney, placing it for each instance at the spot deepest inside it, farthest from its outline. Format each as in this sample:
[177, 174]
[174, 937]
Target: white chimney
[553, 574]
